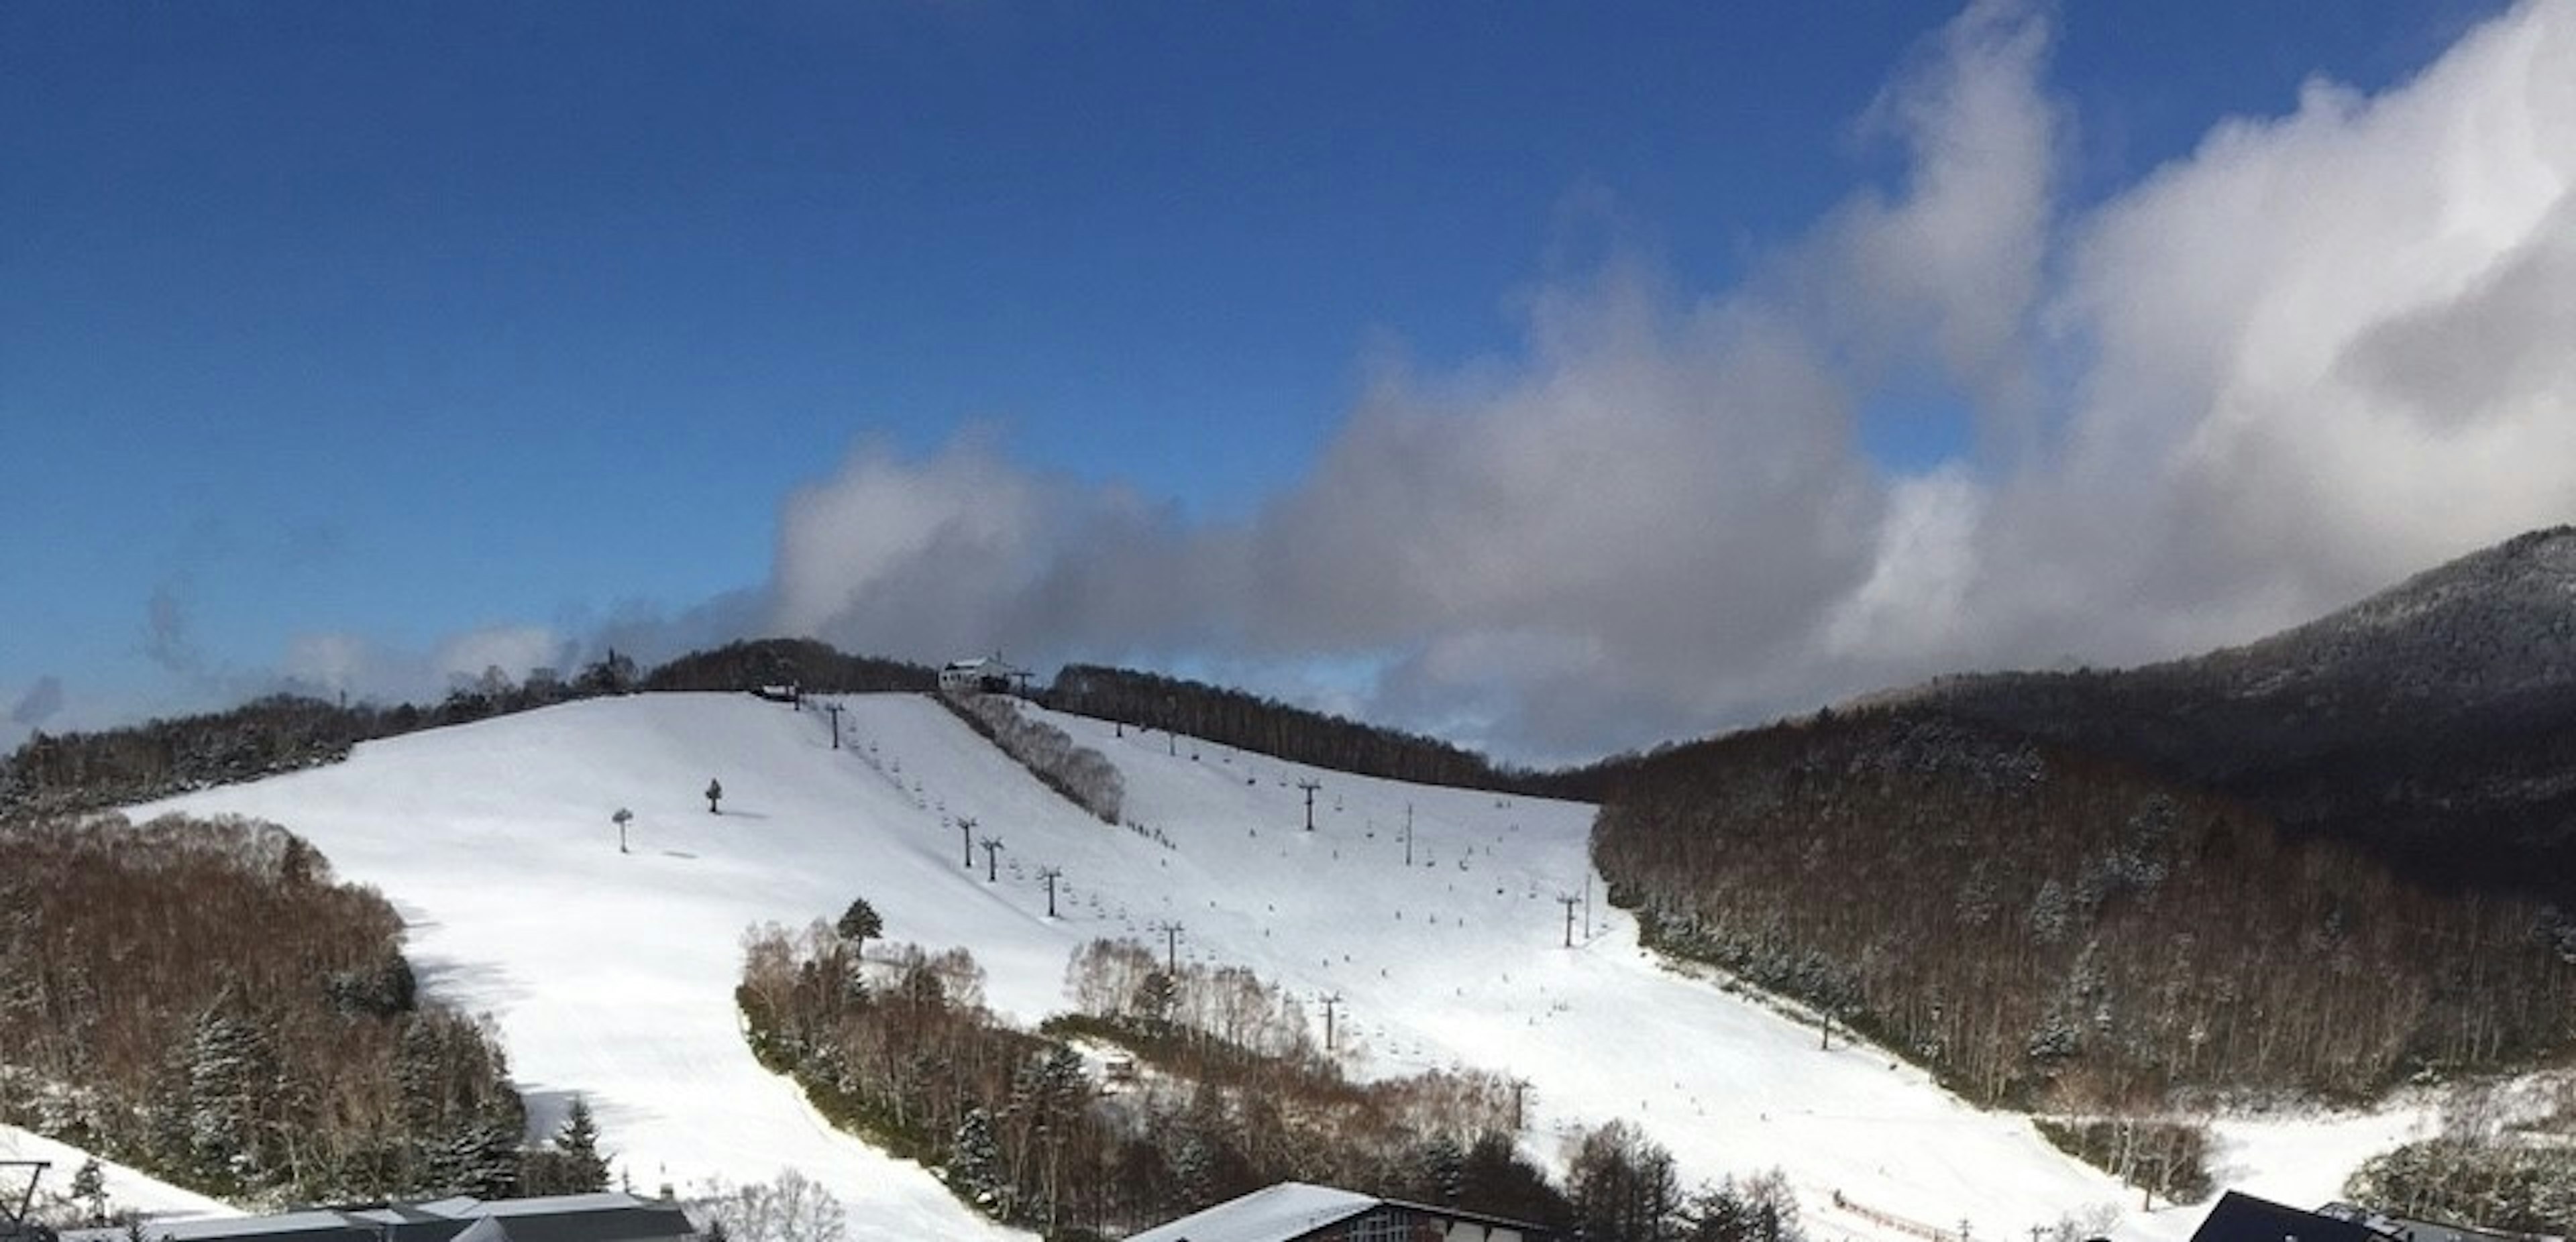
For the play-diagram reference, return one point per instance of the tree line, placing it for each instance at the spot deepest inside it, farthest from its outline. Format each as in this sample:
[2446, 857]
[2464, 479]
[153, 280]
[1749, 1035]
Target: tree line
[67, 772]
[2052, 930]
[1084, 776]
[1267, 726]
[198, 998]
[1230, 1094]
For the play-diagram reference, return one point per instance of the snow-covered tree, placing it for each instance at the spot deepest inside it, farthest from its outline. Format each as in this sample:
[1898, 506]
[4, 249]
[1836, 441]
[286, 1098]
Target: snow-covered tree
[89, 1189]
[975, 1163]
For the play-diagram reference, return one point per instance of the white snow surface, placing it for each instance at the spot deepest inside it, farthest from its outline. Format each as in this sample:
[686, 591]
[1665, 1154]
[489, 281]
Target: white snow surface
[127, 1189]
[611, 975]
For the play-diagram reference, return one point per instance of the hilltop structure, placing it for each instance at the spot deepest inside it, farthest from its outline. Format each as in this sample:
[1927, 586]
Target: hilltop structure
[982, 675]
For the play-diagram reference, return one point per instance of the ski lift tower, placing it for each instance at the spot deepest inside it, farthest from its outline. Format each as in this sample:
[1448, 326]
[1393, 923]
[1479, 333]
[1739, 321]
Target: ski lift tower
[17, 1210]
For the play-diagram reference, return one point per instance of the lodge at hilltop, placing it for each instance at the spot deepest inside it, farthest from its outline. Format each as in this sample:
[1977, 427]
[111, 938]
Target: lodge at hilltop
[982, 675]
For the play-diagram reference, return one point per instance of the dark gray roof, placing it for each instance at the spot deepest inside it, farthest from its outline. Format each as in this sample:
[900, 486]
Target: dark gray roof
[563, 1218]
[2244, 1218]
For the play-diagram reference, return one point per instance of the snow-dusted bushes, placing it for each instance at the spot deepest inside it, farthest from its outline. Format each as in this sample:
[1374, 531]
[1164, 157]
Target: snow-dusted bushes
[1081, 774]
[1016, 1124]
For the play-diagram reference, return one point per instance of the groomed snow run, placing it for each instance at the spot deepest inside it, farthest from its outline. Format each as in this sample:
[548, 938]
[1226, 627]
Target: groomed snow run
[611, 975]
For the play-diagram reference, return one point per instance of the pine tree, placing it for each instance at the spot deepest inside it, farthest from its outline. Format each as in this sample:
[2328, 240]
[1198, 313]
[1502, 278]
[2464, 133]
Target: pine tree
[89, 1187]
[859, 924]
[975, 1163]
[230, 1070]
[1440, 1167]
[583, 1168]
[480, 1158]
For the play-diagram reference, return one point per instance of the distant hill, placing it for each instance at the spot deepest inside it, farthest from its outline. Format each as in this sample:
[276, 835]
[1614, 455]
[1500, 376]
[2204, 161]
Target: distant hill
[2434, 722]
[2321, 862]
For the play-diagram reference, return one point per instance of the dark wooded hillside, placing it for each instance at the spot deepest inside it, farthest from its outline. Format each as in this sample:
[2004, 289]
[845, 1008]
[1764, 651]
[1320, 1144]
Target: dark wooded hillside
[802, 662]
[2434, 723]
[1267, 726]
[2047, 928]
[200, 999]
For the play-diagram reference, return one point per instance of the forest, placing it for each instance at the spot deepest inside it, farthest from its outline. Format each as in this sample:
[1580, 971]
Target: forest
[2055, 931]
[199, 999]
[1229, 1093]
[1267, 726]
[2433, 723]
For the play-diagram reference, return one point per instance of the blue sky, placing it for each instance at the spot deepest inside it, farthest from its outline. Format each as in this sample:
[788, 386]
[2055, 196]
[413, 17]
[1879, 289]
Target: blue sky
[399, 322]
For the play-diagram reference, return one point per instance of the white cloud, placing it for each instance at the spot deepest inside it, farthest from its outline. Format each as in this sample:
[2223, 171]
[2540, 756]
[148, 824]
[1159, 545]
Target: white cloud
[2320, 352]
[513, 649]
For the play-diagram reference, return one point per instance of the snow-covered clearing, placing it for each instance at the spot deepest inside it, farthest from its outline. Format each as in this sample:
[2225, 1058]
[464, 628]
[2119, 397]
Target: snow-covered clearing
[127, 1190]
[611, 974]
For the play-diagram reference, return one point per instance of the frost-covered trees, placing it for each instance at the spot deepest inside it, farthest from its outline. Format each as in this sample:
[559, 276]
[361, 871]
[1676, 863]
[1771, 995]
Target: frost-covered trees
[89, 1190]
[1081, 774]
[1023, 1131]
[2063, 932]
[789, 1208]
[975, 1163]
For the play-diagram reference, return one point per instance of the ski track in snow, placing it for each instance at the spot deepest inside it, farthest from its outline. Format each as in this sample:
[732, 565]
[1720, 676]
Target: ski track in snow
[611, 975]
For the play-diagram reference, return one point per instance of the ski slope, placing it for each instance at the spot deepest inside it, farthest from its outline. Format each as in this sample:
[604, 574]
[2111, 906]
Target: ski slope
[611, 974]
[127, 1189]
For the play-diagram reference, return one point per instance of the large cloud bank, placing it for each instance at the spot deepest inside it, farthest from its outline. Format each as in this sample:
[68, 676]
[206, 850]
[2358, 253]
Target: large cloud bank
[2322, 351]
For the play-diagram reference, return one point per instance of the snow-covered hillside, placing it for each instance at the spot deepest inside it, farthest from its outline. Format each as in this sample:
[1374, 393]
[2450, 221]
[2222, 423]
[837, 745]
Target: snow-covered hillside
[127, 1190]
[611, 974]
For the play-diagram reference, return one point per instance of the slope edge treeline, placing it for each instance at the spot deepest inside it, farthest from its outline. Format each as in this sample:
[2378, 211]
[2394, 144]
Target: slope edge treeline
[198, 998]
[2046, 927]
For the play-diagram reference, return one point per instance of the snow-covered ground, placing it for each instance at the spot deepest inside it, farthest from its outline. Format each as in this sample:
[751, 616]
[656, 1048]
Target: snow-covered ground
[127, 1190]
[611, 974]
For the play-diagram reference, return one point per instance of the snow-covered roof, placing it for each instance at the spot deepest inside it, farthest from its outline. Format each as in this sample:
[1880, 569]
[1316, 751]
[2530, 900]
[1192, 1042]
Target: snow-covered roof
[1284, 1211]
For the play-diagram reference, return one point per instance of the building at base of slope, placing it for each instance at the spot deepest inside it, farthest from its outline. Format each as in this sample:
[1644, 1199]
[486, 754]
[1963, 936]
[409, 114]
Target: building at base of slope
[1298, 1212]
[607, 1217]
[2243, 1218]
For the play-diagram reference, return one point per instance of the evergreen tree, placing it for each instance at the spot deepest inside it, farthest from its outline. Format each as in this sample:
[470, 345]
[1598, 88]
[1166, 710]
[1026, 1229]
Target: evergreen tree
[89, 1187]
[480, 1157]
[975, 1163]
[230, 1071]
[584, 1169]
[1155, 999]
[1440, 1169]
[859, 924]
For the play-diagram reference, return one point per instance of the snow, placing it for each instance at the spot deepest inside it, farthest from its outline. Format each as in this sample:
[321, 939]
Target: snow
[1287, 1210]
[127, 1189]
[611, 975]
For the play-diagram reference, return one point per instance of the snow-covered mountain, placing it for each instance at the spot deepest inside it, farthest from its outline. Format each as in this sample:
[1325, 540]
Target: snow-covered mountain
[611, 974]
